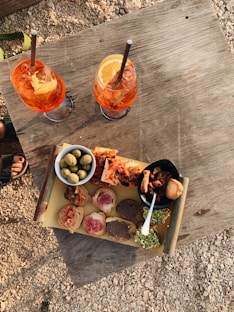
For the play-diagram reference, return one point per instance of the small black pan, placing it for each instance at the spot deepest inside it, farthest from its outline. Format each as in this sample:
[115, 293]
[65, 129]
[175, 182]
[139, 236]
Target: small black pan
[165, 165]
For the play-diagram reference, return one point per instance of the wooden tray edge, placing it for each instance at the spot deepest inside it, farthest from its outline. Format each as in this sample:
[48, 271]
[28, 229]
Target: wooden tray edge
[47, 186]
[176, 220]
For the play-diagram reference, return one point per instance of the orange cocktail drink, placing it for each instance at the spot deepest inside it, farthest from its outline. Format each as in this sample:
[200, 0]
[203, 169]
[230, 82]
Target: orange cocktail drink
[38, 86]
[115, 96]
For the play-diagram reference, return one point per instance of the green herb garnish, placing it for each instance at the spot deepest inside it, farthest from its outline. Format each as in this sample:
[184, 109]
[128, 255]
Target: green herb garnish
[158, 216]
[147, 242]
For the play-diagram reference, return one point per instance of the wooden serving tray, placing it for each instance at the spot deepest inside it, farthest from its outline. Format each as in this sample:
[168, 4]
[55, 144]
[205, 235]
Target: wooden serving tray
[51, 200]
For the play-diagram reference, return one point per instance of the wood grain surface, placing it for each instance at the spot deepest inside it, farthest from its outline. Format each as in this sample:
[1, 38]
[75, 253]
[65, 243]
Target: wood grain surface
[11, 6]
[184, 111]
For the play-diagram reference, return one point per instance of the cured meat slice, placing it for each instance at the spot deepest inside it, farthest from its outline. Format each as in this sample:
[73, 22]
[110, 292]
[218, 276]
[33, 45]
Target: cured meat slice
[104, 199]
[95, 223]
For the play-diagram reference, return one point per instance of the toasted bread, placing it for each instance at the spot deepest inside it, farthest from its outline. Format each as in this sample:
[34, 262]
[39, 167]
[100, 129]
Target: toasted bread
[101, 153]
[70, 217]
[95, 224]
[130, 210]
[77, 195]
[104, 199]
[121, 172]
[119, 229]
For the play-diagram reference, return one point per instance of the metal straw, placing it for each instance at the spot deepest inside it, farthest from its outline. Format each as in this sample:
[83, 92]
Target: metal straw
[33, 46]
[126, 52]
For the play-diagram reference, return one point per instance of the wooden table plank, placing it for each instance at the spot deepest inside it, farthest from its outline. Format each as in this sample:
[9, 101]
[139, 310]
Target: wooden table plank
[10, 6]
[184, 110]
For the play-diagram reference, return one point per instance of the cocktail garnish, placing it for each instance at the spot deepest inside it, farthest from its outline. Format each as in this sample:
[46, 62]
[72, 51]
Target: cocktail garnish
[108, 70]
[41, 86]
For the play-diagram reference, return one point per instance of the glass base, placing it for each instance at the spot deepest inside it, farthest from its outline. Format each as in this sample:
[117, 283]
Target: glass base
[114, 115]
[62, 112]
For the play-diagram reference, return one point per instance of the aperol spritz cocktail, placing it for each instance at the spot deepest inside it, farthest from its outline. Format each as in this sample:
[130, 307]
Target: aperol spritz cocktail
[39, 87]
[115, 97]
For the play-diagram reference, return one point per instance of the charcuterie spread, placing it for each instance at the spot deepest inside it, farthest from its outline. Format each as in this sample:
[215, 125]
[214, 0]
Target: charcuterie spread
[109, 206]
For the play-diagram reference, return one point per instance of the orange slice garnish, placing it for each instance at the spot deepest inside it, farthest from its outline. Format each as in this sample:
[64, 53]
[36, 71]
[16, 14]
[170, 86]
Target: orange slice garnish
[109, 68]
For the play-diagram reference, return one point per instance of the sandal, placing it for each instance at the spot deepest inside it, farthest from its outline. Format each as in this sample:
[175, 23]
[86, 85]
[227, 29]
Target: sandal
[5, 176]
[10, 134]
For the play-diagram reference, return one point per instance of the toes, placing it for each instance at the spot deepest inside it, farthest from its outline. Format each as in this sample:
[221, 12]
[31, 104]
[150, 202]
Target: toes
[17, 165]
[18, 159]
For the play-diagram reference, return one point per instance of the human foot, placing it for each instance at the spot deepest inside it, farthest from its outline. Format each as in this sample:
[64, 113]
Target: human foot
[17, 165]
[12, 167]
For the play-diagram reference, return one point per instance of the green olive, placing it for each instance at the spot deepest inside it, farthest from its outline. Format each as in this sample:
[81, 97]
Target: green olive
[70, 159]
[86, 167]
[76, 153]
[82, 174]
[73, 178]
[74, 168]
[63, 163]
[65, 172]
[86, 159]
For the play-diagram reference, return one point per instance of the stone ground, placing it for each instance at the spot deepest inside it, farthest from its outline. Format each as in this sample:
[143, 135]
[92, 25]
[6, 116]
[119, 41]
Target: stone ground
[34, 277]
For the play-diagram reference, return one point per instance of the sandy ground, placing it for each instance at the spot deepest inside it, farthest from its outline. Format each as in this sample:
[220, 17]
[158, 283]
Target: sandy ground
[34, 275]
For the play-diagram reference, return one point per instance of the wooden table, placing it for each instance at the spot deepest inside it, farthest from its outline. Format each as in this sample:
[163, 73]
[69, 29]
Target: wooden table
[184, 112]
[11, 6]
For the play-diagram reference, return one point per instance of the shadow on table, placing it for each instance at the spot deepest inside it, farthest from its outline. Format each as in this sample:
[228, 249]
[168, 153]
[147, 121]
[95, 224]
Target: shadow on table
[89, 259]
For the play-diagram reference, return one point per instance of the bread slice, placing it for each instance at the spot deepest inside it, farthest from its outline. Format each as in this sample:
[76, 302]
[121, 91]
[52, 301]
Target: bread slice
[121, 172]
[104, 199]
[95, 224]
[119, 229]
[101, 154]
[70, 217]
[77, 195]
[130, 210]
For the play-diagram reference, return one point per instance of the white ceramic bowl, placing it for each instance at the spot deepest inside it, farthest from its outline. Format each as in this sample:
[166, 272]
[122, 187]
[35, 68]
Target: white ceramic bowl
[69, 149]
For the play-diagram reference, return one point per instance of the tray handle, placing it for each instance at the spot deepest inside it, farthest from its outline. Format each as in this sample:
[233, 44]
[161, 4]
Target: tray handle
[176, 219]
[46, 186]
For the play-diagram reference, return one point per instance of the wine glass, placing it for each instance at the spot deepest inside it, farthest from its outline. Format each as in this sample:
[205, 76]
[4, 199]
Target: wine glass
[115, 85]
[41, 89]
